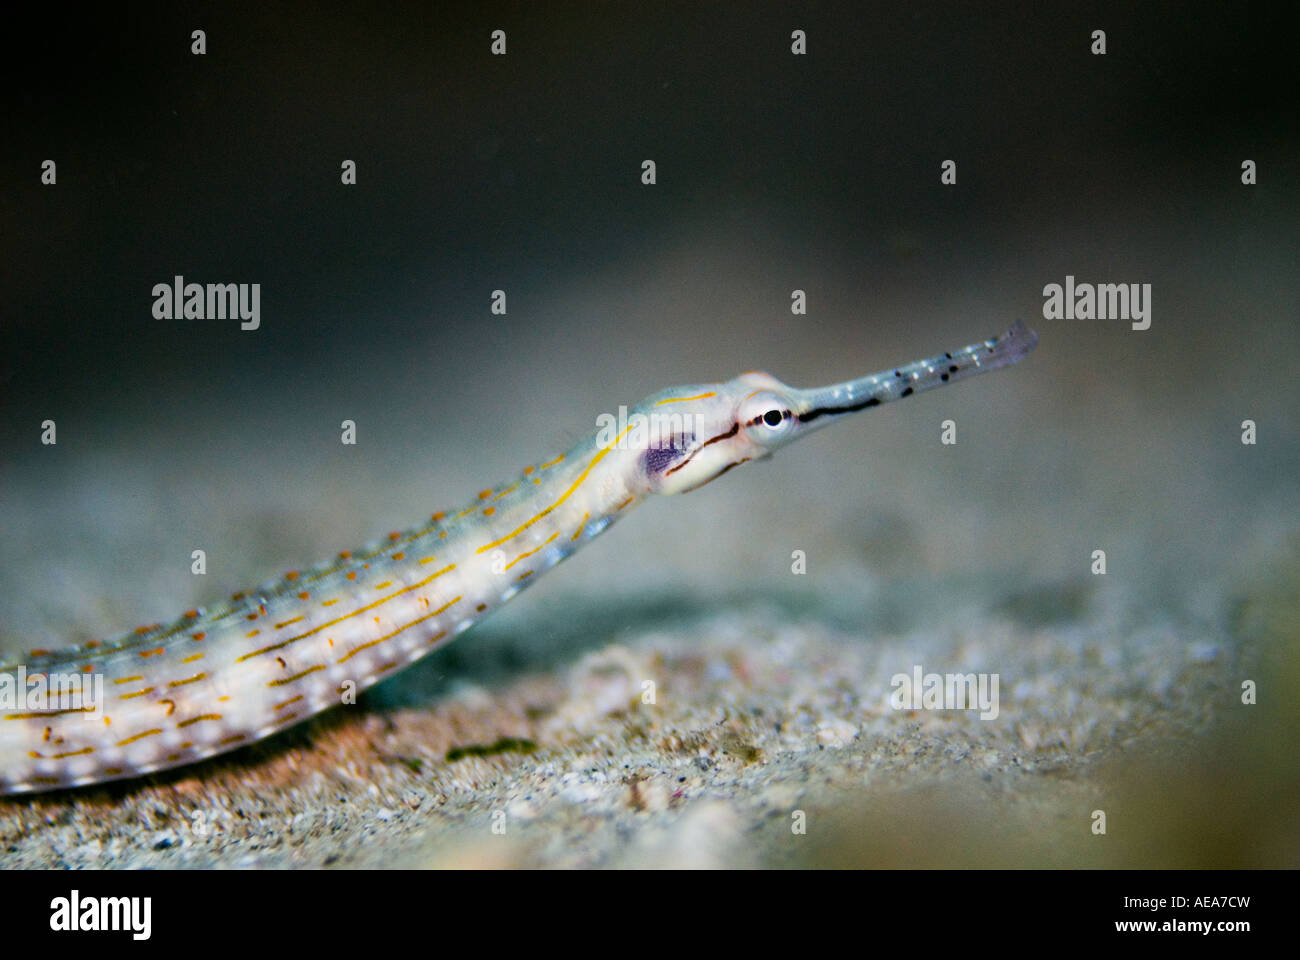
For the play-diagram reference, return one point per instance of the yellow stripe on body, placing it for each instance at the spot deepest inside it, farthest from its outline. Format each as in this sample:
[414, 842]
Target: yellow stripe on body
[702, 396]
[600, 455]
[531, 552]
[390, 636]
[369, 606]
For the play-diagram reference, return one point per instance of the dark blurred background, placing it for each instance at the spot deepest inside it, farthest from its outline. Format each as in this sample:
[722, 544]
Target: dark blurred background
[775, 172]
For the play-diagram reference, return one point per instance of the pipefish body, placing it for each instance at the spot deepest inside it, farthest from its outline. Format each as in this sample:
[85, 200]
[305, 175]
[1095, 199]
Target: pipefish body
[217, 679]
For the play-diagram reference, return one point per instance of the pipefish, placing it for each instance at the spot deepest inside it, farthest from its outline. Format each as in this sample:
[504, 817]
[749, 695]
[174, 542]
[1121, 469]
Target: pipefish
[220, 678]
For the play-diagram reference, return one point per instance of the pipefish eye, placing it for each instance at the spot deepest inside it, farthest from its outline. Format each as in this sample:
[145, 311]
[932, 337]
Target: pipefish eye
[766, 417]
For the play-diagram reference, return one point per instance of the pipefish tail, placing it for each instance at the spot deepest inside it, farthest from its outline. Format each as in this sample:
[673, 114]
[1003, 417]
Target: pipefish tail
[220, 678]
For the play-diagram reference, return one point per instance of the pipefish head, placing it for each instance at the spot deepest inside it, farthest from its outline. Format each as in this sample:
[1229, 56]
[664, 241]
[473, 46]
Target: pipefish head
[696, 434]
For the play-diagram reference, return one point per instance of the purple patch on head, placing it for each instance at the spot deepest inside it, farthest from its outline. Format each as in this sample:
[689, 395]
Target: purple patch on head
[658, 459]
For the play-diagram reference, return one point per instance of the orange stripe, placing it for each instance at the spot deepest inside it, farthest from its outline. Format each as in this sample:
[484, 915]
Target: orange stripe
[684, 399]
[296, 676]
[181, 683]
[330, 623]
[41, 714]
[531, 552]
[139, 736]
[364, 646]
[600, 455]
[72, 753]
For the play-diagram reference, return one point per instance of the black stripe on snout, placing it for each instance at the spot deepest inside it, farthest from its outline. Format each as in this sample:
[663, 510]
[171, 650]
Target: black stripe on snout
[814, 414]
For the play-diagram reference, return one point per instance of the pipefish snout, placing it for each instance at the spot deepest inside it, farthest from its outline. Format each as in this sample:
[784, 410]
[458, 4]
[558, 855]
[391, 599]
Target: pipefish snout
[220, 678]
